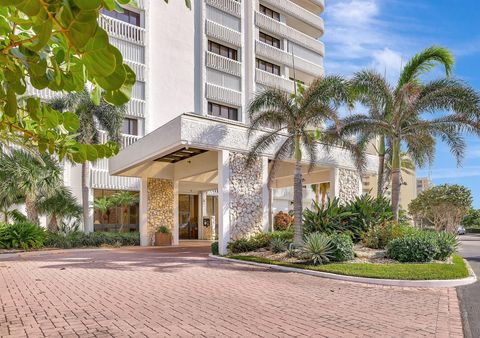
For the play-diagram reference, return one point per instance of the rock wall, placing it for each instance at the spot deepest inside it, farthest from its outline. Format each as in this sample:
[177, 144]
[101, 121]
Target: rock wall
[159, 205]
[349, 184]
[246, 202]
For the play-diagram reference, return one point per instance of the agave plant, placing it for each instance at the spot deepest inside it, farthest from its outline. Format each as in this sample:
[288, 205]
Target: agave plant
[278, 245]
[317, 248]
[330, 219]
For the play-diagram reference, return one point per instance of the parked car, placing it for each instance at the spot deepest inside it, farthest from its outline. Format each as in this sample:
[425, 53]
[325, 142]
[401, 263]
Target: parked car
[461, 230]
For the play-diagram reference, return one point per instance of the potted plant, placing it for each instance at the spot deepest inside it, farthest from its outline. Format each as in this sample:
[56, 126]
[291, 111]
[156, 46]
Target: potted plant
[163, 236]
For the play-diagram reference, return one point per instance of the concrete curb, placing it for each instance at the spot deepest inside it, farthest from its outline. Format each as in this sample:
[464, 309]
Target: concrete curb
[378, 281]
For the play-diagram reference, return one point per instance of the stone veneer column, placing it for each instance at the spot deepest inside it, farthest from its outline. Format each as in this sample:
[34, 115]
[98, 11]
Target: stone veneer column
[160, 207]
[247, 197]
[345, 184]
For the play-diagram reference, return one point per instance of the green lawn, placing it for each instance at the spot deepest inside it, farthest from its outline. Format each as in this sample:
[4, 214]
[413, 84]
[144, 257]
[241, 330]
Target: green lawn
[427, 271]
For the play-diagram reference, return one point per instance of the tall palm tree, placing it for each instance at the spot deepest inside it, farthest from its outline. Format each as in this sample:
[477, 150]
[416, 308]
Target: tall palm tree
[59, 206]
[405, 113]
[92, 117]
[30, 176]
[124, 199]
[295, 124]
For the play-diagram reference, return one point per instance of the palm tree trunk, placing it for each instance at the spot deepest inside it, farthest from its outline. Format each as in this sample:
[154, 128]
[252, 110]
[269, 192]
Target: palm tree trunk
[32, 213]
[381, 165]
[396, 177]
[5, 216]
[297, 195]
[317, 193]
[53, 224]
[85, 196]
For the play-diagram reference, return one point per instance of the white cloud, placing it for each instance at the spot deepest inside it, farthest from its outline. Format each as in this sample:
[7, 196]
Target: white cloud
[354, 12]
[388, 61]
[452, 173]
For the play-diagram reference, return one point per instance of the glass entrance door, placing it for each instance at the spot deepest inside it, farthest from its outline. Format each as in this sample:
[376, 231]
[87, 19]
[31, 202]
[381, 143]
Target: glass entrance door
[188, 216]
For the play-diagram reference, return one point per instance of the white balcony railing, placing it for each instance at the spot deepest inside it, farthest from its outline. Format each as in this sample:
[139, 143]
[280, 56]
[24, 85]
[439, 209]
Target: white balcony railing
[223, 64]
[100, 179]
[217, 31]
[44, 94]
[122, 30]
[282, 30]
[274, 81]
[229, 6]
[136, 107]
[285, 58]
[298, 12]
[222, 94]
[125, 141]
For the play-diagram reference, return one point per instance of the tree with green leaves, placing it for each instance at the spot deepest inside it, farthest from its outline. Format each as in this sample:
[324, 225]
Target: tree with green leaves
[472, 219]
[59, 206]
[444, 206]
[412, 115]
[124, 199]
[92, 116]
[295, 122]
[103, 205]
[60, 46]
[30, 176]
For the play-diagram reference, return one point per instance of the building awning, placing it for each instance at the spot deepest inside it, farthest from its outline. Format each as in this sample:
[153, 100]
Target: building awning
[190, 135]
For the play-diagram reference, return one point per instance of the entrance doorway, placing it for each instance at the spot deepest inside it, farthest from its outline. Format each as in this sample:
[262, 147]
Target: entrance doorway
[188, 216]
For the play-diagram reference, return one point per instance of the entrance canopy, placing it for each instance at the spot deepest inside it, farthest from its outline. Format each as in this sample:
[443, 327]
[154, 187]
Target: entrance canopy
[196, 155]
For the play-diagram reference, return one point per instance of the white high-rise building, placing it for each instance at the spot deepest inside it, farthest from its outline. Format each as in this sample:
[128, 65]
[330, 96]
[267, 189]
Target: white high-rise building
[197, 71]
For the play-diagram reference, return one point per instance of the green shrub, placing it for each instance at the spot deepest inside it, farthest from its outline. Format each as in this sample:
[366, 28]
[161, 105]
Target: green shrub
[317, 248]
[278, 245]
[214, 248]
[378, 236]
[21, 235]
[261, 240]
[286, 235]
[331, 219]
[447, 245]
[415, 247]
[94, 239]
[342, 248]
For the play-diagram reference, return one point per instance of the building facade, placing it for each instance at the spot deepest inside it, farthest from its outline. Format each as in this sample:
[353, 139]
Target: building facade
[423, 183]
[184, 140]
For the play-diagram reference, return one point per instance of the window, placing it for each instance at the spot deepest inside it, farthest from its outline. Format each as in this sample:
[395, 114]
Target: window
[127, 16]
[116, 218]
[222, 50]
[130, 126]
[269, 12]
[219, 110]
[268, 67]
[269, 40]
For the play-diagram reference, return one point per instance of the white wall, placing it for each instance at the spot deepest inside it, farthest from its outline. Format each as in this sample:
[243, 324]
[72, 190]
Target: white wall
[170, 60]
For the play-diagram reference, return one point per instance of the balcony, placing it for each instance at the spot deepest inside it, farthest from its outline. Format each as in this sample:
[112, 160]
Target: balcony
[125, 140]
[223, 64]
[122, 30]
[284, 31]
[136, 107]
[274, 81]
[222, 94]
[100, 179]
[280, 56]
[229, 6]
[298, 12]
[217, 31]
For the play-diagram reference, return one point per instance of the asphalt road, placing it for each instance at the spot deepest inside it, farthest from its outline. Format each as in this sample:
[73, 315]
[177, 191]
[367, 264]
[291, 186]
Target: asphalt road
[470, 295]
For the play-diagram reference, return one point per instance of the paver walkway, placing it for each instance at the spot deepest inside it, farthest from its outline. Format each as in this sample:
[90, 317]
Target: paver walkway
[181, 292]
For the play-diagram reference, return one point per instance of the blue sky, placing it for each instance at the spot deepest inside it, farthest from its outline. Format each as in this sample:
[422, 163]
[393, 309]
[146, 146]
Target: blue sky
[383, 34]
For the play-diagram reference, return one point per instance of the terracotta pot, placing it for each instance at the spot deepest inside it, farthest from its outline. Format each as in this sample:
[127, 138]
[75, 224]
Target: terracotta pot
[162, 239]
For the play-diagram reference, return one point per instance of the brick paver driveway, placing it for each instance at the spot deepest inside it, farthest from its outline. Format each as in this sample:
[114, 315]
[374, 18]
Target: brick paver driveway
[181, 292]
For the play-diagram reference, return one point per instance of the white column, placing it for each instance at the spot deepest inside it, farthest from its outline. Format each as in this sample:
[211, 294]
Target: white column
[200, 216]
[89, 222]
[265, 196]
[175, 213]
[143, 219]
[223, 200]
[334, 183]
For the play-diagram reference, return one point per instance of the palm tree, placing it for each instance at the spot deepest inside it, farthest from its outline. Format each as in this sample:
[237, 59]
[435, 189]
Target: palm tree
[293, 120]
[7, 200]
[399, 113]
[92, 117]
[124, 199]
[59, 206]
[103, 205]
[30, 176]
